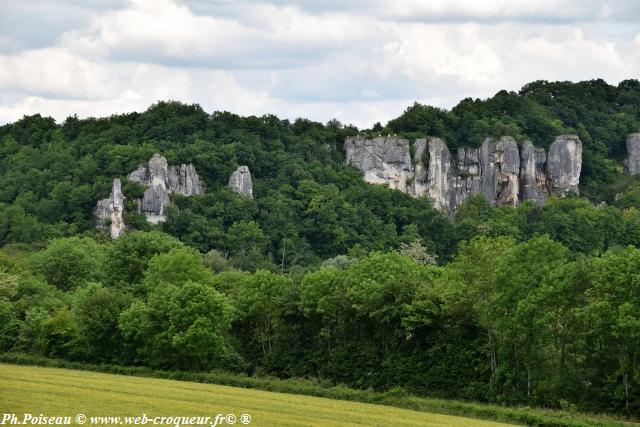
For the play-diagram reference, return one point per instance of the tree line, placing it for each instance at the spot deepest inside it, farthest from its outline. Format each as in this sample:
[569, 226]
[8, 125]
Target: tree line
[527, 322]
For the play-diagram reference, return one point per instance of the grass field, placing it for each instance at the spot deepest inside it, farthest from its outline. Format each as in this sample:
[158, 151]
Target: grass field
[52, 391]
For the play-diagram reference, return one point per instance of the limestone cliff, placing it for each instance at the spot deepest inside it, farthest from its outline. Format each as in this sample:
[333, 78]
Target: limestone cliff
[109, 212]
[498, 169]
[633, 152]
[383, 160]
[240, 182]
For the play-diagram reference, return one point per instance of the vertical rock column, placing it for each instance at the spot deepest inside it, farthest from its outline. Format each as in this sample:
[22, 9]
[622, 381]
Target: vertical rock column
[633, 153]
[440, 188]
[533, 175]
[156, 197]
[109, 212]
[564, 164]
[240, 182]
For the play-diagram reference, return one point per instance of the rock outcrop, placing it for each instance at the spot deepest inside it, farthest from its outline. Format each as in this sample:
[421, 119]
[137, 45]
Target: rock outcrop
[382, 160]
[633, 153]
[564, 164]
[503, 173]
[240, 182]
[109, 212]
[162, 180]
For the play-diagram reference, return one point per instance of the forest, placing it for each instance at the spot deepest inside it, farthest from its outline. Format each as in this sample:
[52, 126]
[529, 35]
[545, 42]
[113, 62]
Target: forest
[322, 275]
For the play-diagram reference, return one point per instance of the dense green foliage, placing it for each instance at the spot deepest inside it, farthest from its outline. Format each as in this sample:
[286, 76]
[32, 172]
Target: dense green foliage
[322, 275]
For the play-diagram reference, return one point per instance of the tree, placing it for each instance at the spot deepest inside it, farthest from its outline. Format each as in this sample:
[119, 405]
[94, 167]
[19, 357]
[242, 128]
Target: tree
[96, 310]
[128, 257]
[612, 317]
[259, 303]
[518, 277]
[176, 267]
[71, 262]
[418, 252]
[468, 283]
[179, 327]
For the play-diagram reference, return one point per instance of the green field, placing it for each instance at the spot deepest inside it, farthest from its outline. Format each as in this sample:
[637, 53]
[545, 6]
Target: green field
[52, 391]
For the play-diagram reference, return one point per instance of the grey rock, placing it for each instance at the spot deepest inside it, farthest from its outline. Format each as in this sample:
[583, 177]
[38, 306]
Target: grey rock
[159, 169]
[109, 212]
[154, 201]
[440, 189]
[156, 198]
[533, 176]
[564, 164]
[189, 183]
[420, 175]
[467, 176]
[140, 175]
[382, 160]
[500, 171]
[162, 180]
[507, 175]
[633, 153]
[240, 182]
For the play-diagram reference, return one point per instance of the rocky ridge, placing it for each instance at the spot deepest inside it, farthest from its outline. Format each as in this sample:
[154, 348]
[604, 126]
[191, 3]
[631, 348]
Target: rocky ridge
[504, 173]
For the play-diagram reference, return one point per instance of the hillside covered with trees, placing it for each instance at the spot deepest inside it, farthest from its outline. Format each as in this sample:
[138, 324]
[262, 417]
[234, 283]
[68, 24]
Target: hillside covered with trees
[322, 275]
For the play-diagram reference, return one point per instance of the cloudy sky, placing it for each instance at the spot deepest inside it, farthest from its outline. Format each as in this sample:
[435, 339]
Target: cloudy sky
[359, 61]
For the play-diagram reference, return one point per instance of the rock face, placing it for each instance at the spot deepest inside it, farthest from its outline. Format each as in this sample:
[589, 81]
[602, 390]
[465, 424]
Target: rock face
[162, 180]
[503, 173]
[533, 175]
[383, 160]
[633, 152]
[240, 182]
[564, 163]
[109, 212]
[439, 177]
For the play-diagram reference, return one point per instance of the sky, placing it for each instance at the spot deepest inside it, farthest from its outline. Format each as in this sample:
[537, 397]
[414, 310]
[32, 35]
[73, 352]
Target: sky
[358, 61]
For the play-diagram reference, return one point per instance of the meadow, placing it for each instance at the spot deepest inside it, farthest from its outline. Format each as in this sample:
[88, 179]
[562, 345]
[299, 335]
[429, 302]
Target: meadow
[64, 392]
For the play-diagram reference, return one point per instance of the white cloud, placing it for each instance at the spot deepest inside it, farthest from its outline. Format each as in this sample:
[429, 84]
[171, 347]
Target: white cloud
[360, 62]
[55, 72]
[499, 9]
[166, 32]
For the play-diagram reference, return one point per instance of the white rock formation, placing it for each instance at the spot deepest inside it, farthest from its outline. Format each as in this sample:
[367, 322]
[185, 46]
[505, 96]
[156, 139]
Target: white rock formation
[109, 212]
[240, 182]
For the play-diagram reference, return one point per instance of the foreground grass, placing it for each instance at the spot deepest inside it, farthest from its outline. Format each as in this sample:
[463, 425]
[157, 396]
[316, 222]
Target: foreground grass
[517, 415]
[56, 392]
